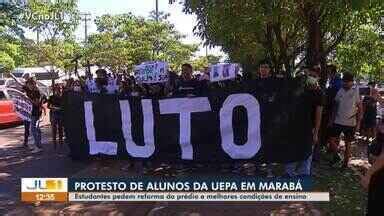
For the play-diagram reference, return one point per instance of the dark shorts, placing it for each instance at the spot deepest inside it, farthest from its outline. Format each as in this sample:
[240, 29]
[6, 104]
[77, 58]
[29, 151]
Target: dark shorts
[56, 118]
[349, 132]
[369, 123]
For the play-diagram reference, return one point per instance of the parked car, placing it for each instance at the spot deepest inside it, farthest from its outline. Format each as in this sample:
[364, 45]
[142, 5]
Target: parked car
[8, 115]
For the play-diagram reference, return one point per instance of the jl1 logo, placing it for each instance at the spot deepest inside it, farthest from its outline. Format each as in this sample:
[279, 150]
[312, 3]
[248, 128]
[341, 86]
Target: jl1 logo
[46, 185]
[43, 184]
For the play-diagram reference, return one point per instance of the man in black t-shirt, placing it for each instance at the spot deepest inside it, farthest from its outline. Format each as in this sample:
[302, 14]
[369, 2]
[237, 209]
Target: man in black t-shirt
[312, 100]
[56, 114]
[187, 85]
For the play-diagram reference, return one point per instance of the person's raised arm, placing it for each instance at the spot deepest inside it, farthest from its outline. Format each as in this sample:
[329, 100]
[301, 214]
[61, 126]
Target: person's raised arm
[16, 80]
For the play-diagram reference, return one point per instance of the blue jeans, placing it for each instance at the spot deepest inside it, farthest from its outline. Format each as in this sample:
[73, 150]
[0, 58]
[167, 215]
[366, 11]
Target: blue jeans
[301, 168]
[35, 130]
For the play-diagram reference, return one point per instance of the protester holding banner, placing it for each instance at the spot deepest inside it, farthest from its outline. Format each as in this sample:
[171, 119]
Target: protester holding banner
[187, 85]
[314, 99]
[36, 98]
[102, 84]
[56, 114]
[266, 84]
[346, 117]
[171, 84]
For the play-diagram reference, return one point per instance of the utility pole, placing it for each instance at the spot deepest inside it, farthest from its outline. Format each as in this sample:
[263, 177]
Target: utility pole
[38, 43]
[157, 10]
[38, 36]
[85, 19]
[155, 47]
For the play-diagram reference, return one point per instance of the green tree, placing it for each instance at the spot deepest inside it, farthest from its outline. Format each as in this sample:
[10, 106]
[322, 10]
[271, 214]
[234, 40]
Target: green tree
[125, 40]
[204, 61]
[55, 21]
[17, 49]
[362, 52]
[286, 32]
[11, 20]
[6, 62]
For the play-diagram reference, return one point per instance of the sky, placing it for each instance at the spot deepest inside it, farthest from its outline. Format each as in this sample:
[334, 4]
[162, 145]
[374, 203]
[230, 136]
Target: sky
[183, 23]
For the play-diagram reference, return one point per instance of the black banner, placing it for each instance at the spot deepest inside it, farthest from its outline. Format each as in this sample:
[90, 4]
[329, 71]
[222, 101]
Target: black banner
[264, 122]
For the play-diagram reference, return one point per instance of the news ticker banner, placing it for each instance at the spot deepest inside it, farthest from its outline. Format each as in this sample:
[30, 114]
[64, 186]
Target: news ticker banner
[172, 189]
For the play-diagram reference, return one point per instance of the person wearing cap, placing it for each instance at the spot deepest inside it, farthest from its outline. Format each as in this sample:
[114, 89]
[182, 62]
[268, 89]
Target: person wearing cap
[346, 118]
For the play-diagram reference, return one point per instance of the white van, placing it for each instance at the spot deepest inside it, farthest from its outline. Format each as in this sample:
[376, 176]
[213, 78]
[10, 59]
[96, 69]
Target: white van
[41, 74]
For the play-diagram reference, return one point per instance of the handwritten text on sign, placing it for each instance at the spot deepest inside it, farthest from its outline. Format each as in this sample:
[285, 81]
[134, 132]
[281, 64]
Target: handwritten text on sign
[226, 71]
[151, 72]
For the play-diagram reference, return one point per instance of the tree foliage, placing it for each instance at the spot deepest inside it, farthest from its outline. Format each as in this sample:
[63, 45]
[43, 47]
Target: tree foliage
[54, 19]
[125, 40]
[200, 63]
[362, 52]
[11, 20]
[56, 22]
[288, 33]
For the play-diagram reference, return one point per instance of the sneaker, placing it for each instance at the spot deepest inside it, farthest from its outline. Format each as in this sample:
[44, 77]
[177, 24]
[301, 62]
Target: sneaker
[36, 150]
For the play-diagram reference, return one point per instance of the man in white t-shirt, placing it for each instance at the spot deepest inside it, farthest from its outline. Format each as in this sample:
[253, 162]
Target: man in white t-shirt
[103, 84]
[346, 117]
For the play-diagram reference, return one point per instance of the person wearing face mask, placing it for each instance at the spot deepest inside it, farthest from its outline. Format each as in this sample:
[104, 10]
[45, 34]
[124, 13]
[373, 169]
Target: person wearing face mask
[102, 84]
[77, 86]
[56, 114]
[312, 100]
[346, 118]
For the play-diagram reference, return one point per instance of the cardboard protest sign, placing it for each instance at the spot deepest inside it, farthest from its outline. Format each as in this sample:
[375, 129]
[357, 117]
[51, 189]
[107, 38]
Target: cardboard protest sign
[23, 106]
[151, 72]
[225, 71]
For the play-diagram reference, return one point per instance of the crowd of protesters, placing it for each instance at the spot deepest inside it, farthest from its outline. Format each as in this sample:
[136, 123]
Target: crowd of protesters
[337, 109]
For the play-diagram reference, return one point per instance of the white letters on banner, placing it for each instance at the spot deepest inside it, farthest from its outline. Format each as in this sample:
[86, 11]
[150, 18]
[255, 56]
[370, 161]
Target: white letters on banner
[132, 148]
[96, 147]
[184, 107]
[253, 144]
[224, 71]
[151, 72]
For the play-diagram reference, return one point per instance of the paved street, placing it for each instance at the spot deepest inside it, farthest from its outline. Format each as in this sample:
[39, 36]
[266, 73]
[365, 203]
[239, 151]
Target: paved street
[17, 162]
